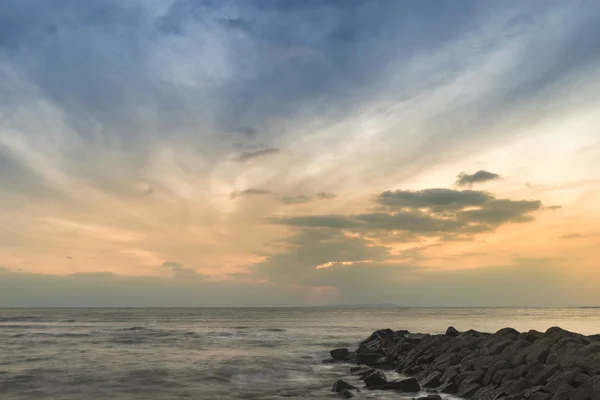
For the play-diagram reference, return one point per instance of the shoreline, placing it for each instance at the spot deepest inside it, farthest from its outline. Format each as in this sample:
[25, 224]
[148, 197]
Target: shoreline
[506, 365]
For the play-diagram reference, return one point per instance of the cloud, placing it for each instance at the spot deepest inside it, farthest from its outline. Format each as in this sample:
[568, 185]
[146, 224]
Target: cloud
[309, 249]
[249, 192]
[481, 176]
[444, 213]
[571, 236]
[301, 199]
[179, 271]
[326, 196]
[435, 199]
[251, 155]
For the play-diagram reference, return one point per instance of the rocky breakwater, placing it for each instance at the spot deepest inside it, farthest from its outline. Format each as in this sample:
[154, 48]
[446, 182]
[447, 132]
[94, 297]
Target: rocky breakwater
[506, 365]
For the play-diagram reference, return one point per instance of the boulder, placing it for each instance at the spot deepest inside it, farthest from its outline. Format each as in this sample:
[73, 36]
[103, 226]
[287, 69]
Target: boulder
[376, 378]
[563, 392]
[468, 390]
[339, 354]
[542, 377]
[448, 388]
[433, 379]
[431, 397]
[340, 385]
[404, 385]
[540, 396]
[346, 394]
[369, 359]
[452, 332]
[532, 336]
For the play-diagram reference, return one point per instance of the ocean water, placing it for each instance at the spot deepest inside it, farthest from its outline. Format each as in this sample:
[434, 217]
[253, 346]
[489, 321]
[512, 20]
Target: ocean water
[212, 353]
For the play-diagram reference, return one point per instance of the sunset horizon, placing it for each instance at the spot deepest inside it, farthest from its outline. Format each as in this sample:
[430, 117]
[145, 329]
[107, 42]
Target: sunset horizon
[181, 153]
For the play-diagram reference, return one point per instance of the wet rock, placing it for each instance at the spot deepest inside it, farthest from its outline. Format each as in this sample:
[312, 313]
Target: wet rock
[432, 380]
[540, 396]
[340, 385]
[376, 378]
[468, 390]
[448, 388]
[404, 385]
[339, 354]
[346, 394]
[431, 397]
[368, 359]
[361, 371]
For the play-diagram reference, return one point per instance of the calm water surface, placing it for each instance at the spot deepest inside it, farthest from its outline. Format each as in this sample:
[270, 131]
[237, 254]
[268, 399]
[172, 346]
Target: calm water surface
[210, 353]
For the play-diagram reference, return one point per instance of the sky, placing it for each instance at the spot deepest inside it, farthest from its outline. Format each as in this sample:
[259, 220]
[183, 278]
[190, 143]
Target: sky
[299, 153]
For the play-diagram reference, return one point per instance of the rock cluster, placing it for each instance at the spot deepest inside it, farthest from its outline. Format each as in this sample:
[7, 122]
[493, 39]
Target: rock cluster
[506, 365]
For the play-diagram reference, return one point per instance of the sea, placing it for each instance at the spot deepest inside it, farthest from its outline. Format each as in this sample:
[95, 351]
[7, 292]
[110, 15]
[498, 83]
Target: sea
[219, 353]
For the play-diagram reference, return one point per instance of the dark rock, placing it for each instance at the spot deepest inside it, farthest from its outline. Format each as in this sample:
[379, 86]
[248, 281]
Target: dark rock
[448, 388]
[515, 386]
[540, 396]
[339, 354]
[499, 346]
[485, 393]
[346, 394]
[404, 385]
[433, 379]
[534, 368]
[470, 378]
[362, 349]
[468, 390]
[507, 332]
[497, 366]
[560, 379]
[595, 337]
[452, 332]
[340, 385]
[500, 375]
[529, 392]
[532, 336]
[542, 377]
[431, 397]
[376, 378]
[368, 359]
[563, 392]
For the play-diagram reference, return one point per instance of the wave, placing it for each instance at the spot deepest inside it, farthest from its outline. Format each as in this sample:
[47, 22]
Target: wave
[20, 318]
[272, 330]
[133, 328]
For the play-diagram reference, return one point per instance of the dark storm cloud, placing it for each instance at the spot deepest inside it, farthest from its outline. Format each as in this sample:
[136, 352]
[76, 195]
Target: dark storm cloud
[464, 179]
